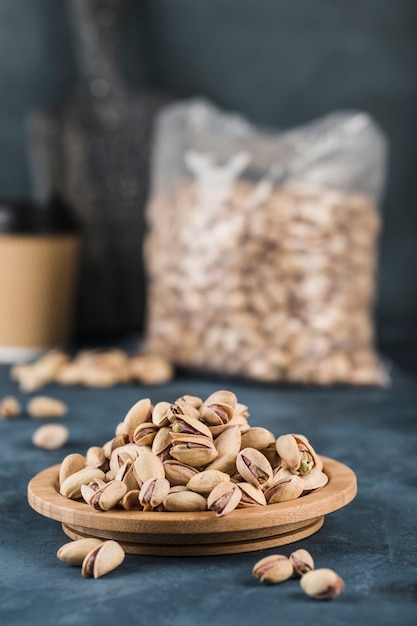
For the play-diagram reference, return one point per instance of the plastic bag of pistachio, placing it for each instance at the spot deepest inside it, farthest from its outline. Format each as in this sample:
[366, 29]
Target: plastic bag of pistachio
[262, 247]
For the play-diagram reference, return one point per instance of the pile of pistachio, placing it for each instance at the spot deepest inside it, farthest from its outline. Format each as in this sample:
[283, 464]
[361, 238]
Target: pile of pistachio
[192, 455]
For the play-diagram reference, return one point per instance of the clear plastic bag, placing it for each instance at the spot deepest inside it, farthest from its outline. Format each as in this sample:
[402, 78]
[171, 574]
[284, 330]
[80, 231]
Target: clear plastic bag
[261, 249]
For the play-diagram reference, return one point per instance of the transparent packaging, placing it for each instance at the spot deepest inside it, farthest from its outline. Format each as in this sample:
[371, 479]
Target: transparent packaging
[262, 247]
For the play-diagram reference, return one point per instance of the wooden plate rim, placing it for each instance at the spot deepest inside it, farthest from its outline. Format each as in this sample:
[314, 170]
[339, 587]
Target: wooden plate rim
[43, 497]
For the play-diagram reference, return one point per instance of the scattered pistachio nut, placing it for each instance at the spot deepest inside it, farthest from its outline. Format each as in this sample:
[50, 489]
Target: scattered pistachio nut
[9, 407]
[322, 584]
[44, 406]
[302, 562]
[273, 569]
[74, 552]
[50, 436]
[103, 559]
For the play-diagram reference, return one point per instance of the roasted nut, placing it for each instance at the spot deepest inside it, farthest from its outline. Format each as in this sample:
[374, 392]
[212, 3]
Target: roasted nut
[146, 466]
[185, 501]
[153, 493]
[224, 498]
[71, 486]
[193, 450]
[44, 406]
[9, 407]
[285, 489]
[322, 584]
[95, 457]
[302, 562]
[204, 482]
[229, 441]
[103, 559]
[75, 552]
[108, 496]
[50, 436]
[273, 569]
[71, 464]
[251, 496]
[254, 467]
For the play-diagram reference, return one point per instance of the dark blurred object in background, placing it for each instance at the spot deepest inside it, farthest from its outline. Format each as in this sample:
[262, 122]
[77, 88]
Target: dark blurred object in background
[94, 148]
[278, 63]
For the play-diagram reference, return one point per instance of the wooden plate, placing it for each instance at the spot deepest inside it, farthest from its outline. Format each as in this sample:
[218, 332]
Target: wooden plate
[200, 533]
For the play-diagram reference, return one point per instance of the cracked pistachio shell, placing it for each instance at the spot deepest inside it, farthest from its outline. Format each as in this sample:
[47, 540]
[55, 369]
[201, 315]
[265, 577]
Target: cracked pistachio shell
[178, 473]
[229, 441]
[180, 409]
[224, 498]
[287, 448]
[71, 486]
[160, 414]
[204, 482]
[273, 569]
[222, 396]
[162, 441]
[71, 464]
[146, 466]
[119, 460]
[304, 444]
[194, 401]
[145, 434]
[109, 496]
[185, 501]
[216, 414]
[251, 496]
[140, 412]
[322, 584]
[193, 450]
[285, 489]
[75, 552]
[127, 476]
[184, 424]
[254, 467]
[258, 438]
[50, 436]
[302, 562]
[95, 457]
[103, 559]
[153, 492]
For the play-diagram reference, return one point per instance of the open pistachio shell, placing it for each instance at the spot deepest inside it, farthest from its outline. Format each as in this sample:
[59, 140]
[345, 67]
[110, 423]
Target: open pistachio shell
[103, 559]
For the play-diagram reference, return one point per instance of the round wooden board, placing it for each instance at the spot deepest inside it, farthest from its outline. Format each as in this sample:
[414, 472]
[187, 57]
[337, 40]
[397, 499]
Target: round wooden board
[199, 533]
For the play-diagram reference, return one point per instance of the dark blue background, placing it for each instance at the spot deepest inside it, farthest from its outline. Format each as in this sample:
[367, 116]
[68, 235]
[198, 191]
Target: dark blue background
[280, 63]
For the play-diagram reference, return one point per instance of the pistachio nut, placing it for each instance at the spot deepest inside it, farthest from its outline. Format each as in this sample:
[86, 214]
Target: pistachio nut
[195, 401]
[204, 482]
[162, 443]
[229, 441]
[75, 552]
[273, 569]
[95, 457]
[254, 467]
[140, 412]
[160, 414]
[71, 486]
[251, 496]
[184, 424]
[185, 500]
[44, 406]
[258, 438]
[71, 464]
[193, 450]
[180, 408]
[224, 498]
[50, 436]
[302, 562]
[322, 584]
[103, 559]
[145, 433]
[287, 448]
[285, 489]
[218, 408]
[109, 496]
[9, 407]
[147, 465]
[127, 475]
[178, 473]
[153, 493]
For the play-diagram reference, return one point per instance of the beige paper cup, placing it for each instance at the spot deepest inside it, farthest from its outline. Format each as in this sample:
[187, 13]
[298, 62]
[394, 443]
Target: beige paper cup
[38, 282]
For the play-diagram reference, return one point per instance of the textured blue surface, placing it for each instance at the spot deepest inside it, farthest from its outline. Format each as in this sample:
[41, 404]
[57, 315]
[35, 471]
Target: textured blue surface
[371, 543]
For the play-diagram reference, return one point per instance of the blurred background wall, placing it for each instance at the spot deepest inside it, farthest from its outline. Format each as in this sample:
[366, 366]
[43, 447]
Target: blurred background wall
[280, 62]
